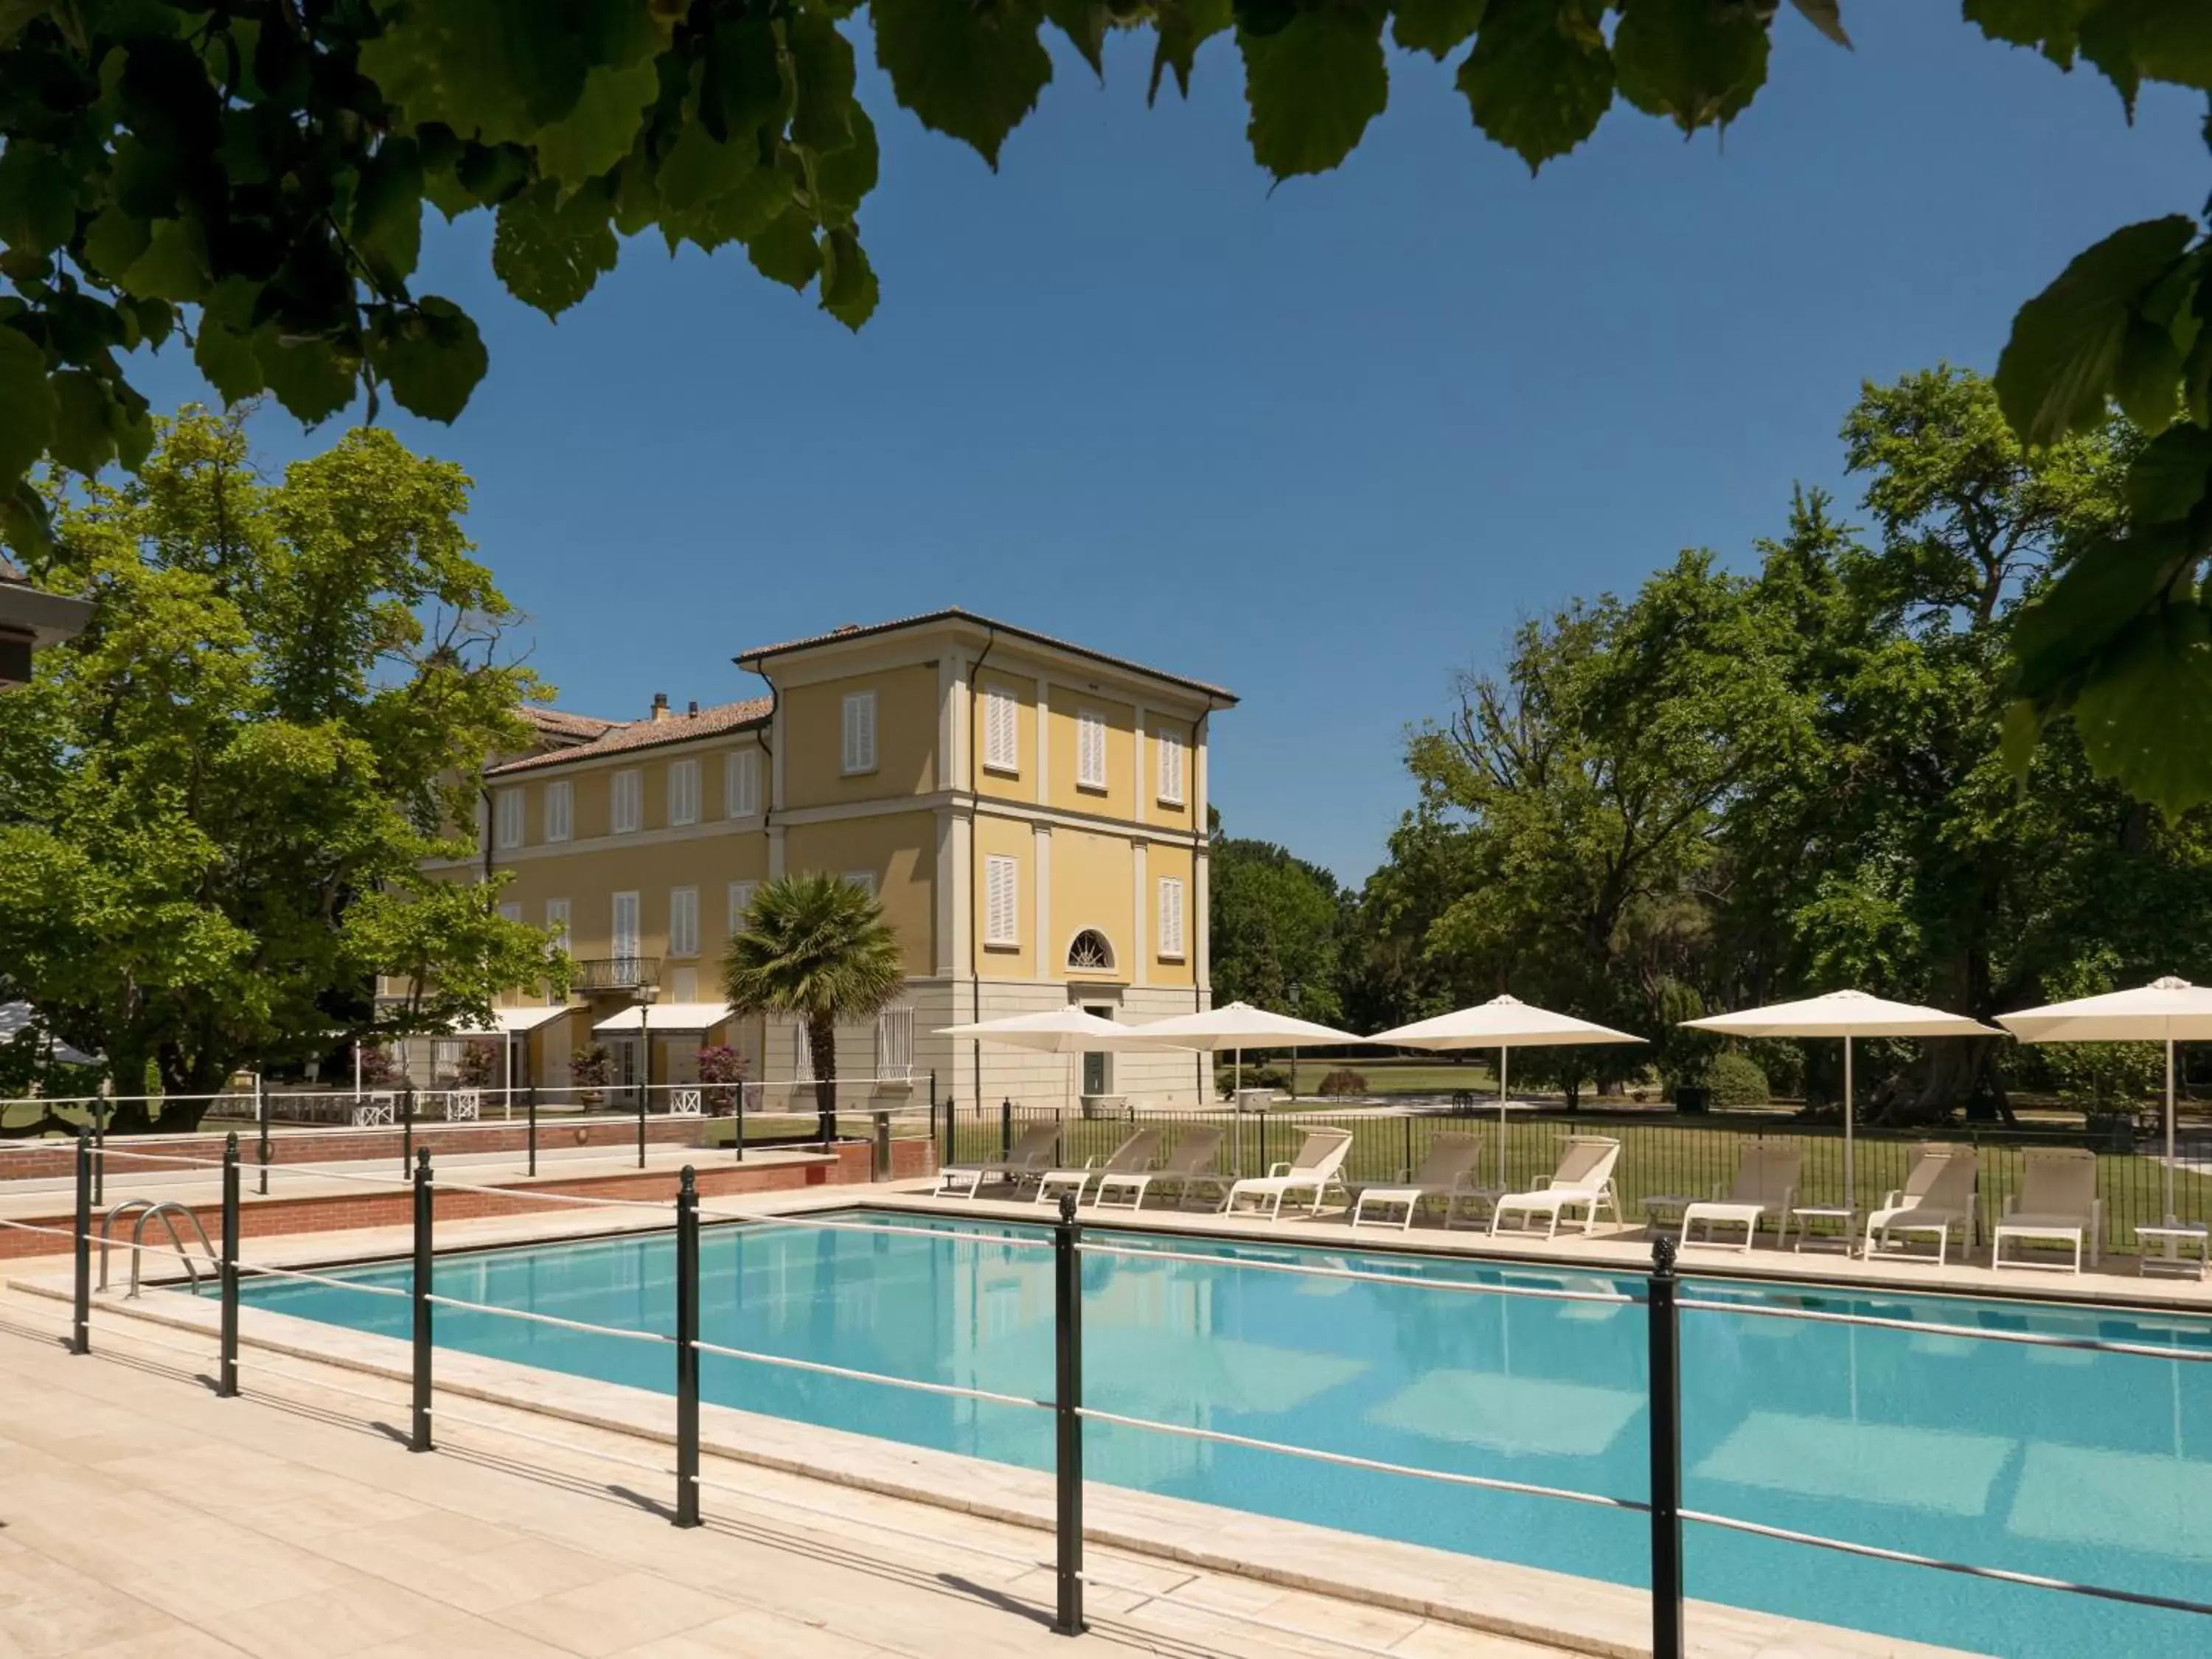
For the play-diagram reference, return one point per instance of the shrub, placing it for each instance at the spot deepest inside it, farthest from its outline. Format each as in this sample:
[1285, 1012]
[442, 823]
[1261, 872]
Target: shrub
[1344, 1081]
[479, 1065]
[377, 1069]
[721, 1069]
[1737, 1080]
[591, 1070]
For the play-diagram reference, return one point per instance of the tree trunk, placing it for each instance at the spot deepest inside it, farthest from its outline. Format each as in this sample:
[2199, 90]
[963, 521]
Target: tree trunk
[821, 1038]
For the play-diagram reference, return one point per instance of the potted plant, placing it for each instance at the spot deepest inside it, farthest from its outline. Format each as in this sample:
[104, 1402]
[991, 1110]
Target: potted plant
[721, 1074]
[590, 1070]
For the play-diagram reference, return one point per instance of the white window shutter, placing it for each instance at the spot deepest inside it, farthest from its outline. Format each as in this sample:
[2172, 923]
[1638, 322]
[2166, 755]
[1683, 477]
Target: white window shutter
[683, 921]
[559, 808]
[1171, 767]
[1090, 749]
[1171, 942]
[626, 798]
[741, 900]
[1001, 916]
[625, 924]
[741, 783]
[860, 732]
[1002, 731]
[510, 912]
[683, 792]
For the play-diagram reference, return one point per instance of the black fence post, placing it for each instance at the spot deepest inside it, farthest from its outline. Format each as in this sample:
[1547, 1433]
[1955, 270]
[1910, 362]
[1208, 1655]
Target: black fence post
[226, 1383]
[641, 1088]
[686, 1349]
[738, 1121]
[1409, 1147]
[99, 1149]
[262, 1149]
[1067, 1410]
[945, 1156]
[533, 1127]
[1005, 1125]
[419, 1436]
[1666, 1456]
[81, 1319]
[406, 1130]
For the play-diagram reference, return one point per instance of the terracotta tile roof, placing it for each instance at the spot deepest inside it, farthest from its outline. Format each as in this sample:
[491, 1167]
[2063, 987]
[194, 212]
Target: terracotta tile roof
[759, 654]
[619, 737]
[560, 723]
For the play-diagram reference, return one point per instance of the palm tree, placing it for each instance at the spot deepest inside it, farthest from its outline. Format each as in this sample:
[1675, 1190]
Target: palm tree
[815, 946]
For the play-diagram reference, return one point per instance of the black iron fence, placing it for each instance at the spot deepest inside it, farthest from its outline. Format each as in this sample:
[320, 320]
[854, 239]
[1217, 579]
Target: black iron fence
[1657, 1160]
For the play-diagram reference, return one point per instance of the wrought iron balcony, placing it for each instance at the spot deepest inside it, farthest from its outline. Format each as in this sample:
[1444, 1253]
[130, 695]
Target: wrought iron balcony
[614, 973]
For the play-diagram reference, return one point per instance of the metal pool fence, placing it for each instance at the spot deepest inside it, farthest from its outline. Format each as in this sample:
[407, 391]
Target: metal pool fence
[1688, 1160]
[1659, 1292]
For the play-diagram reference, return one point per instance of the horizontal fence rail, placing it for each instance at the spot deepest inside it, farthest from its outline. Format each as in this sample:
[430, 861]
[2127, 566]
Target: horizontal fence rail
[1064, 1236]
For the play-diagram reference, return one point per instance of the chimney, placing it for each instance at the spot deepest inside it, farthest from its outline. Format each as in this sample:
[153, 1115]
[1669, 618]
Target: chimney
[660, 707]
[693, 711]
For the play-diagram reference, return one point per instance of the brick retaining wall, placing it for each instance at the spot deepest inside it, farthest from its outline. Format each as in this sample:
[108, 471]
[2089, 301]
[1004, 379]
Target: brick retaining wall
[852, 1164]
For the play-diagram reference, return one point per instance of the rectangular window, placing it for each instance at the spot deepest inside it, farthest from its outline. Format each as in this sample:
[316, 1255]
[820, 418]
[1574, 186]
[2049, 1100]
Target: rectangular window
[863, 880]
[624, 931]
[556, 923]
[510, 912]
[741, 783]
[860, 750]
[1171, 944]
[1001, 910]
[741, 900]
[802, 1053]
[684, 985]
[683, 792]
[1172, 769]
[894, 1043]
[683, 922]
[509, 817]
[560, 810]
[1002, 726]
[625, 802]
[1089, 749]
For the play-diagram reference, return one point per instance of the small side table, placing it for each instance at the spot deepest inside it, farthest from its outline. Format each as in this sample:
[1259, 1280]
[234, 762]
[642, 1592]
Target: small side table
[1840, 1240]
[2173, 1235]
[1665, 1210]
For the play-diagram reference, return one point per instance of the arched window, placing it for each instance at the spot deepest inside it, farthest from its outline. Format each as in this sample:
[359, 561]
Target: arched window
[1090, 951]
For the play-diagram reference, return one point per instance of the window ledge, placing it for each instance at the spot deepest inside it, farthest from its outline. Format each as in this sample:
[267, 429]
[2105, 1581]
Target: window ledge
[1174, 956]
[1013, 946]
[1002, 771]
[1094, 788]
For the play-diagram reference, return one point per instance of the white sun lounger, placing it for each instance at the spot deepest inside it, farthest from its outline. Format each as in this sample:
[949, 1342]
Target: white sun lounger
[1133, 1155]
[1026, 1160]
[1938, 1195]
[1766, 1184]
[1311, 1171]
[2056, 1203]
[1584, 1181]
[1446, 1173]
[1188, 1165]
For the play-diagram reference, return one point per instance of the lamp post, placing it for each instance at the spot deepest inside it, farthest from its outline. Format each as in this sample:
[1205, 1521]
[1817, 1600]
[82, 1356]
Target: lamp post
[1293, 992]
[645, 995]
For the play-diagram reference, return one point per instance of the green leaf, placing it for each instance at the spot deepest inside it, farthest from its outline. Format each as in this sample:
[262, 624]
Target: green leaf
[1085, 22]
[83, 440]
[2052, 26]
[132, 426]
[549, 252]
[228, 359]
[2148, 383]
[114, 240]
[387, 213]
[736, 215]
[743, 89]
[311, 377]
[1691, 59]
[2137, 40]
[698, 169]
[1183, 26]
[843, 178]
[38, 197]
[969, 71]
[2063, 358]
[1540, 76]
[499, 70]
[849, 284]
[1825, 15]
[1313, 86]
[2144, 712]
[600, 130]
[2105, 589]
[173, 265]
[1436, 27]
[784, 251]
[433, 360]
[27, 404]
[2170, 475]
[822, 64]
[16, 15]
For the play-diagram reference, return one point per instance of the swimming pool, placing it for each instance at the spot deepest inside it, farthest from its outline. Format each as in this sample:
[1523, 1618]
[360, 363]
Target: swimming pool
[2088, 1466]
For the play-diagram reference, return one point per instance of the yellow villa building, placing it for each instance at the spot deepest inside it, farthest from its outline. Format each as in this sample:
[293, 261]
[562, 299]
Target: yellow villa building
[1031, 813]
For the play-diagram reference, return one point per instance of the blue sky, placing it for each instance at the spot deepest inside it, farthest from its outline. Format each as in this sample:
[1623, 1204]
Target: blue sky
[1324, 445]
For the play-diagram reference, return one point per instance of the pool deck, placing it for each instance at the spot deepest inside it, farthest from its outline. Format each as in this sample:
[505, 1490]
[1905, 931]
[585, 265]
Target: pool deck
[819, 1541]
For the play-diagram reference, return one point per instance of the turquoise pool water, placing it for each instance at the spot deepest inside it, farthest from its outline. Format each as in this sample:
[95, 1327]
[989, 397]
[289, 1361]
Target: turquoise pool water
[2092, 1468]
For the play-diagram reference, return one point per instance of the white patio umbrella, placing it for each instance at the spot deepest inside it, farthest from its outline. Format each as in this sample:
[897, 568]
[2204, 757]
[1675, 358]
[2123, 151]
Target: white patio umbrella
[2167, 1011]
[1845, 1014]
[1505, 1023]
[1238, 1026]
[1070, 1030]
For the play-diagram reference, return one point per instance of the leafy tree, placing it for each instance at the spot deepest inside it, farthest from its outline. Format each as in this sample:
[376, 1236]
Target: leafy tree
[1275, 921]
[815, 947]
[216, 802]
[255, 171]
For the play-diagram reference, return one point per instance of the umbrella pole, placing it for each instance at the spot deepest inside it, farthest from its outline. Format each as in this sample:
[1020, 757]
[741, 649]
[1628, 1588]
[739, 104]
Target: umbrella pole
[2169, 1136]
[1503, 1052]
[1850, 1189]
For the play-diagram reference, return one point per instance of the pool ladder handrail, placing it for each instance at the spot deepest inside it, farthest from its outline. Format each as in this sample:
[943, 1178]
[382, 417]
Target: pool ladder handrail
[165, 1209]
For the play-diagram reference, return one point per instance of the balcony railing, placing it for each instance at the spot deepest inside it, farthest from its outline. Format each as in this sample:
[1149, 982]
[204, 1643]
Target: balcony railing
[615, 973]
